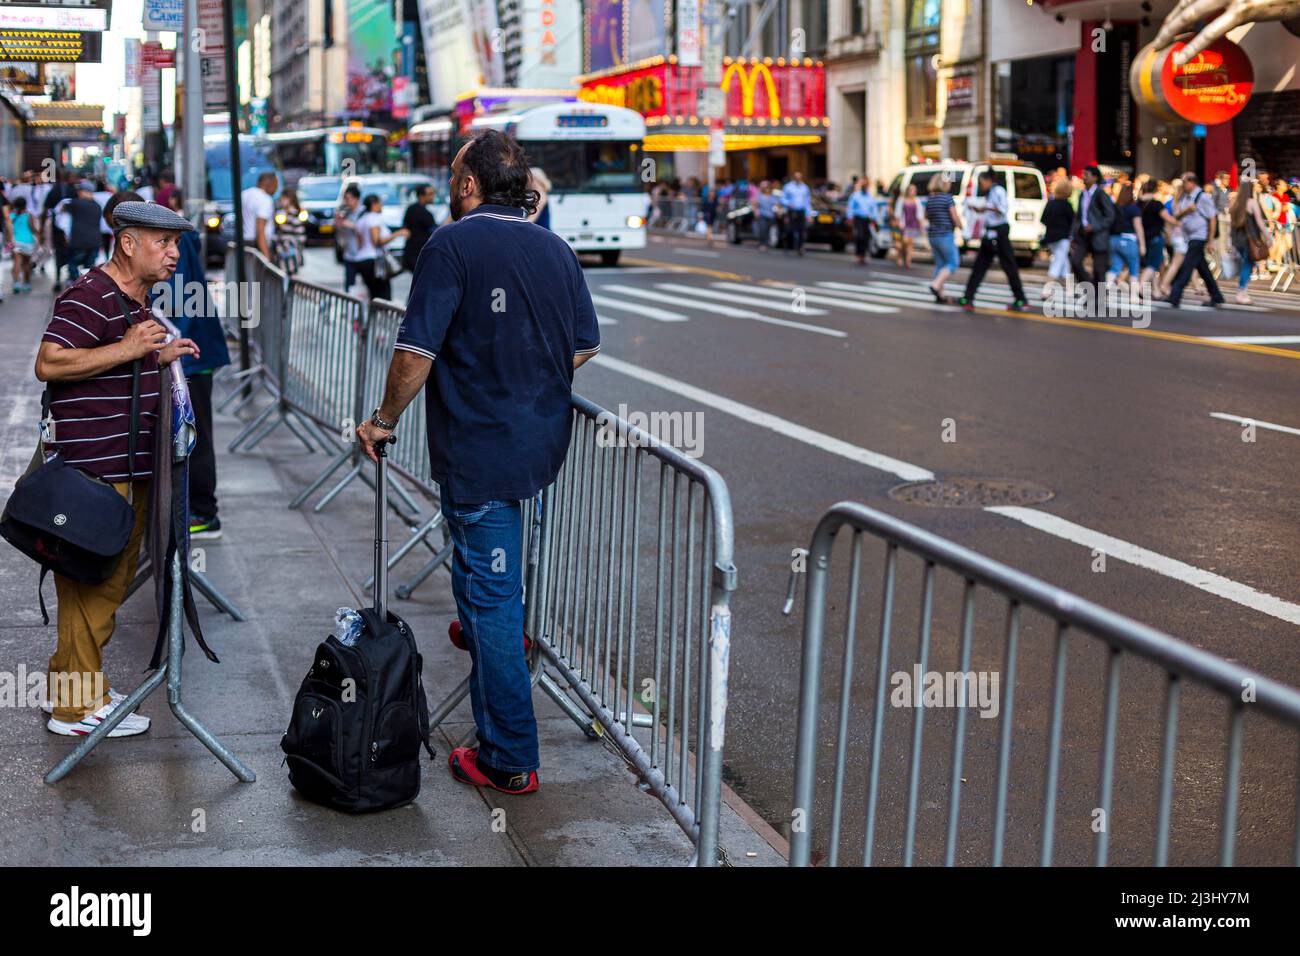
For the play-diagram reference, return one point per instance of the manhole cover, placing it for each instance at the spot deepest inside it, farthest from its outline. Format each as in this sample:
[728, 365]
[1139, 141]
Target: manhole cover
[970, 493]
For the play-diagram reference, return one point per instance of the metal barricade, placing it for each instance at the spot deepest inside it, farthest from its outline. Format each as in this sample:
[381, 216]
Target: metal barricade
[630, 603]
[1026, 726]
[1283, 256]
[409, 457]
[264, 301]
[325, 376]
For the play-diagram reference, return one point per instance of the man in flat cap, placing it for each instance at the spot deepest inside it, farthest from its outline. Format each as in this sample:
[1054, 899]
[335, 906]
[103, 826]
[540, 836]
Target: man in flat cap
[101, 325]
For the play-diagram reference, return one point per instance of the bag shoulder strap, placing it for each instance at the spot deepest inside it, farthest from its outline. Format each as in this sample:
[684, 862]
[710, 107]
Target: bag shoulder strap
[134, 433]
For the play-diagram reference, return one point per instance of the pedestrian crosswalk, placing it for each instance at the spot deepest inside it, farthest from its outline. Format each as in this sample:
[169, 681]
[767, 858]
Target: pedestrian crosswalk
[835, 308]
[671, 293]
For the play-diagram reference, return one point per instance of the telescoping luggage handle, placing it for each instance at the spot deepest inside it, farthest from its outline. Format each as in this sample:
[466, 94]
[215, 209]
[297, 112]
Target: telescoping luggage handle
[381, 529]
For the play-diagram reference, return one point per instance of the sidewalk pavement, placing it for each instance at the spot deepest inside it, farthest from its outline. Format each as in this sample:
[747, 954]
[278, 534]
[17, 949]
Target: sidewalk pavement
[162, 799]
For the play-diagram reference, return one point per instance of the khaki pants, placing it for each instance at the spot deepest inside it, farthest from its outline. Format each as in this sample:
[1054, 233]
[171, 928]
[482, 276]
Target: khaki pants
[87, 616]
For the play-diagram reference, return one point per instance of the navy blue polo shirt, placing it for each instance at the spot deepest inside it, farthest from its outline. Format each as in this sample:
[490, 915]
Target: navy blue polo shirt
[502, 307]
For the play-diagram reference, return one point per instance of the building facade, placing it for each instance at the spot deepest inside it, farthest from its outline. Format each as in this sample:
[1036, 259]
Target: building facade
[306, 62]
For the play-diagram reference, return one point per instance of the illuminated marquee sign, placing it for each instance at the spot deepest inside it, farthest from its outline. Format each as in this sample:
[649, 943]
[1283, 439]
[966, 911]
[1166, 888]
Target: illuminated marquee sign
[49, 46]
[84, 19]
[755, 90]
[749, 77]
[547, 42]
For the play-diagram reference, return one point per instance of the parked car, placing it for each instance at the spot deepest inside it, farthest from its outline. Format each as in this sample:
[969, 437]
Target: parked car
[396, 191]
[827, 225]
[1026, 196]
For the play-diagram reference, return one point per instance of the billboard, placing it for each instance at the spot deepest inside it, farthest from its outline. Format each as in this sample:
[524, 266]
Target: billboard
[372, 42]
[605, 35]
[647, 31]
[551, 43]
[458, 48]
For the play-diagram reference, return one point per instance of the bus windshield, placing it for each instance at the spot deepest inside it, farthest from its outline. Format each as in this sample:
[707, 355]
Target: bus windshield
[595, 167]
[319, 190]
[252, 158]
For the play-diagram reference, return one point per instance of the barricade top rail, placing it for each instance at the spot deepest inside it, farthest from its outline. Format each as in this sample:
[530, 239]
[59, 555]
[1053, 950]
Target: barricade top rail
[1174, 655]
[724, 525]
[317, 287]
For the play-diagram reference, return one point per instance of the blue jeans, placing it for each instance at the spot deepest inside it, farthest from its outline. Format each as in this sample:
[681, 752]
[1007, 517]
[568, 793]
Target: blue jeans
[1246, 267]
[1155, 257]
[488, 584]
[79, 259]
[944, 248]
[1123, 255]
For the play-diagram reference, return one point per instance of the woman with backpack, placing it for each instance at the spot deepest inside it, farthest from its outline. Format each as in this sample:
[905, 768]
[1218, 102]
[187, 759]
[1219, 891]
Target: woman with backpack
[1249, 230]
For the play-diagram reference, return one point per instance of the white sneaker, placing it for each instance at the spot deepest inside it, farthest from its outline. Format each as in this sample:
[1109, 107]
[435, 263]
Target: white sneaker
[114, 697]
[131, 725]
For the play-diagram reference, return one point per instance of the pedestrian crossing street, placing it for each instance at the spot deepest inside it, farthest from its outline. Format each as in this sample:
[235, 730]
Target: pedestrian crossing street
[678, 297]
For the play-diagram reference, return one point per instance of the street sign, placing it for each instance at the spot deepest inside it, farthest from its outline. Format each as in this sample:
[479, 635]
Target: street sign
[710, 103]
[25, 17]
[213, 64]
[132, 62]
[717, 147]
[151, 100]
[688, 32]
[711, 15]
[166, 15]
[154, 57]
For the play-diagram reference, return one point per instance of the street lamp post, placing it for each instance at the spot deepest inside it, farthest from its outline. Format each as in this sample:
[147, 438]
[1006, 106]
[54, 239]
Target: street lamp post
[236, 172]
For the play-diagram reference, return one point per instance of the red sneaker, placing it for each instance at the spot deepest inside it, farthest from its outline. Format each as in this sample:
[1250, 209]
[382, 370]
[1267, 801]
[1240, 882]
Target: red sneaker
[458, 640]
[465, 767]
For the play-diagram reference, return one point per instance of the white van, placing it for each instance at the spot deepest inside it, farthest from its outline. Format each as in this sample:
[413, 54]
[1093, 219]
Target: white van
[1026, 194]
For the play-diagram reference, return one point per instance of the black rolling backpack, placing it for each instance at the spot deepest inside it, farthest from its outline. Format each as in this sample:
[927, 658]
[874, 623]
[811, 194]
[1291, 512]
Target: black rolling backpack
[360, 716]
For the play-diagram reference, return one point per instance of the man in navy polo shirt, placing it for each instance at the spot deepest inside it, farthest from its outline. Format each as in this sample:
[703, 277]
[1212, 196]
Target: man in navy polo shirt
[502, 305]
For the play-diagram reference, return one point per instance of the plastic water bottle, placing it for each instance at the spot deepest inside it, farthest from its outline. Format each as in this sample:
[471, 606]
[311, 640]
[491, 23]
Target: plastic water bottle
[347, 626]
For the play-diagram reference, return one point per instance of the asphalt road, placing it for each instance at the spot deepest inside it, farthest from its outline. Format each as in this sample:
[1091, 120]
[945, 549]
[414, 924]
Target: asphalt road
[819, 381]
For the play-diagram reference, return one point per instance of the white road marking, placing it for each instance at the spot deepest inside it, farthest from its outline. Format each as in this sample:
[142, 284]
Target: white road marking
[649, 311]
[781, 426]
[1132, 554]
[1256, 422]
[739, 300]
[779, 290]
[714, 307]
[1257, 339]
[601, 320]
[703, 253]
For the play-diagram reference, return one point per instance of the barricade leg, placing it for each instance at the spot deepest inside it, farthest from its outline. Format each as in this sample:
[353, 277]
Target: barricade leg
[354, 472]
[323, 477]
[252, 426]
[404, 591]
[237, 383]
[171, 672]
[419, 535]
[399, 491]
[292, 421]
[218, 600]
[201, 584]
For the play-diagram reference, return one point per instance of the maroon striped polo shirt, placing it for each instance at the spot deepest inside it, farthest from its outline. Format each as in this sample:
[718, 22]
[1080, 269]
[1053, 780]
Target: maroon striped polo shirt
[91, 416]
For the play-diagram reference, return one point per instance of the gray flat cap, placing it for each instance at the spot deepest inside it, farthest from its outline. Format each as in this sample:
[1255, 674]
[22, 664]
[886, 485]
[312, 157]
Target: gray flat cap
[149, 215]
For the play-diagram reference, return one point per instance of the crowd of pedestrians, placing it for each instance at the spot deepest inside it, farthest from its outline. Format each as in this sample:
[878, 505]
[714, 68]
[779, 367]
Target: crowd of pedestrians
[55, 220]
[1164, 237]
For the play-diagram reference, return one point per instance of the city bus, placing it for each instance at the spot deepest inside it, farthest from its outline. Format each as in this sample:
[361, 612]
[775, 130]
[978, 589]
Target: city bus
[592, 155]
[329, 151]
[218, 212]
